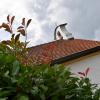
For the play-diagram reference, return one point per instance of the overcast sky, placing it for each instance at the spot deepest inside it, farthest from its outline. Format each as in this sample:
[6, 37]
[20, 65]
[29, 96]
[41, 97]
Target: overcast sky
[82, 16]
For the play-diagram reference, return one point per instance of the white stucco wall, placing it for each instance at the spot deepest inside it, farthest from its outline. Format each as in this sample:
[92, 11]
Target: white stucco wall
[93, 62]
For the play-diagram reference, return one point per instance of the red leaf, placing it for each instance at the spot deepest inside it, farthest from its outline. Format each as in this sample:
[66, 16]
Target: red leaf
[20, 27]
[28, 22]
[23, 21]
[22, 31]
[81, 73]
[12, 19]
[8, 18]
[87, 71]
[4, 25]
[17, 37]
[0, 26]
[7, 28]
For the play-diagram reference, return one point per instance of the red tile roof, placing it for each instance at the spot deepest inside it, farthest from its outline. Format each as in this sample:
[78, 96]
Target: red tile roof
[58, 49]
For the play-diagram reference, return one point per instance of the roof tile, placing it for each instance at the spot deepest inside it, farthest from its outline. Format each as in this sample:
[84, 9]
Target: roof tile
[58, 49]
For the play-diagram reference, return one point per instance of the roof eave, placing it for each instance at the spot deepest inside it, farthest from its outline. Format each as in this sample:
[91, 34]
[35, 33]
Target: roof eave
[75, 55]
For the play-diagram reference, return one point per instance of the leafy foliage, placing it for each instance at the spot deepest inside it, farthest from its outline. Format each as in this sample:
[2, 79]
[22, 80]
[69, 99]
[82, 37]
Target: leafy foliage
[19, 82]
[42, 82]
[14, 45]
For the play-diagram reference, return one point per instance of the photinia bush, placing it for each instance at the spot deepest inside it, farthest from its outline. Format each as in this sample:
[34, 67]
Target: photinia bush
[42, 82]
[38, 82]
[14, 45]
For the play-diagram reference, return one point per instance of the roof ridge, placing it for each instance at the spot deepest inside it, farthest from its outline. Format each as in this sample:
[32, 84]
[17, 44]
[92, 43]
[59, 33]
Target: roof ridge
[64, 40]
[49, 43]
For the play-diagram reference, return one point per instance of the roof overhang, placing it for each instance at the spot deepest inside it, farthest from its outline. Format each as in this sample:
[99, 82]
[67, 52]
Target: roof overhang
[75, 55]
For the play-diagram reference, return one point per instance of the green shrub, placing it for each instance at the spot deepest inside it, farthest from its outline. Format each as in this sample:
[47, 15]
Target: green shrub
[18, 82]
[41, 82]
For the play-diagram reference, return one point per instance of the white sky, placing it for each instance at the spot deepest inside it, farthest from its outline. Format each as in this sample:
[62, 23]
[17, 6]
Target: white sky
[82, 16]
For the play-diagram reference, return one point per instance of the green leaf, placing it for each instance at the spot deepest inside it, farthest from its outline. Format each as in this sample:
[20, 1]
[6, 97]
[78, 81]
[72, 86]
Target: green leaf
[35, 90]
[22, 97]
[16, 68]
[4, 94]
[3, 98]
[45, 88]
[12, 36]
[8, 58]
[6, 73]
[97, 94]
[67, 97]
[42, 96]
